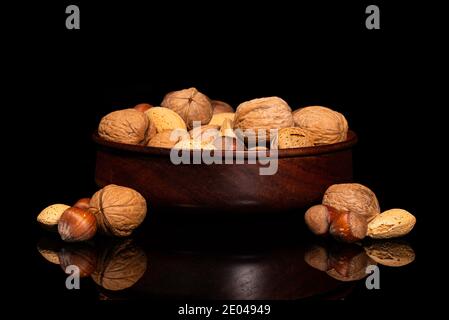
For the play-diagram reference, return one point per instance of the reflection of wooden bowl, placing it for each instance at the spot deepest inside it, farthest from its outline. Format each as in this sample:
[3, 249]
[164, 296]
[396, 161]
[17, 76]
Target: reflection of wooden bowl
[267, 274]
[301, 178]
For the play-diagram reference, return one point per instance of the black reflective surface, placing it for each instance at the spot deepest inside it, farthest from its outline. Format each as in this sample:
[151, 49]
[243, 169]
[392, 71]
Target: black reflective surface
[197, 257]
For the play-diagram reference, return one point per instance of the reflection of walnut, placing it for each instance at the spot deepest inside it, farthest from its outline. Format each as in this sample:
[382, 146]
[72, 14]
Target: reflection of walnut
[190, 104]
[325, 125]
[120, 266]
[168, 138]
[263, 114]
[126, 126]
[118, 210]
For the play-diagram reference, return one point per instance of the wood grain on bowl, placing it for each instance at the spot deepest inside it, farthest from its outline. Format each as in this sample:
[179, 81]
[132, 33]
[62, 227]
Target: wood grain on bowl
[301, 179]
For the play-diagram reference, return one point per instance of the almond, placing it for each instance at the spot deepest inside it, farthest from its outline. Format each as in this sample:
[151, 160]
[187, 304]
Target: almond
[391, 224]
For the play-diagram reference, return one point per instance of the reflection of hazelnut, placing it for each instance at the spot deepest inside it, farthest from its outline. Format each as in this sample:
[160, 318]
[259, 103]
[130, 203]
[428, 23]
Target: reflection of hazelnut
[82, 256]
[120, 266]
[317, 257]
[344, 262]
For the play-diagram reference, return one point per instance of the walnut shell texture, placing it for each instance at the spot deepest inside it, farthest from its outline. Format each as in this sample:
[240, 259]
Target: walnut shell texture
[263, 114]
[118, 210]
[325, 125]
[190, 104]
[120, 266]
[352, 197]
[126, 126]
[218, 118]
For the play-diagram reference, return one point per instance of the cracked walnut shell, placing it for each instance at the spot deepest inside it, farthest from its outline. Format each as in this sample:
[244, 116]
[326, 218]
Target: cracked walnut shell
[118, 210]
[126, 126]
[262, 114]
[326, 126]
[190, 104]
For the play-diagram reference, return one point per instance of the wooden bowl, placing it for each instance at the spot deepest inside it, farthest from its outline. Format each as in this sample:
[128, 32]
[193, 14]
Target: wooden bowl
[302, 176]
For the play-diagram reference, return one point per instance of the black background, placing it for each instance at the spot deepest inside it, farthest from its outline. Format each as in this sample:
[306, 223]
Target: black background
[309, 54]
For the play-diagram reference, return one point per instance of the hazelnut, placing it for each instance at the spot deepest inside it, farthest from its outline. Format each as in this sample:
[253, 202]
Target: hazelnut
[220, 107]
[190, 104]
[318, 218]
[142, 107]
[348, 227]
[77, 224]
[82, 203]
[84, 257]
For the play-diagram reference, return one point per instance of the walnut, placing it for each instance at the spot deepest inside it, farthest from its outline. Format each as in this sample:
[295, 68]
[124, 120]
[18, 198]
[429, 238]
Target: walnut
[352, 197]
[325, 125]
[118, 210]
[126, 126]
[262, 114]
[190, 104]
[120, 266]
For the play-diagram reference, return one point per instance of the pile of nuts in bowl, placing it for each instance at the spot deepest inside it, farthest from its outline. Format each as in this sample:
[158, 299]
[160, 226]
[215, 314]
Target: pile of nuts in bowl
[188, 119]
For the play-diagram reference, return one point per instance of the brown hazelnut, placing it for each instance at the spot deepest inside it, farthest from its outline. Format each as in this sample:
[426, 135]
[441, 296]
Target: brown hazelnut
[84, 257]
[318, 218]
[77, 224]
[221, 107]
[142, 107]
[317, 257]
[348, 227]
[82, 203]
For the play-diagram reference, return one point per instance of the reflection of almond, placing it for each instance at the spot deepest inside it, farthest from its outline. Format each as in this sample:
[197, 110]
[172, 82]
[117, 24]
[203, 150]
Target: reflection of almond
[49, 255]
[391, 223]
[392, 254]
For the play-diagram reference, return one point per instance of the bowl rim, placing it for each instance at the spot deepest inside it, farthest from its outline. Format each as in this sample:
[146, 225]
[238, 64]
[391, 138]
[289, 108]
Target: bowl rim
[350, 141]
